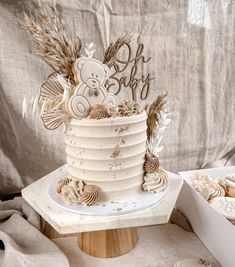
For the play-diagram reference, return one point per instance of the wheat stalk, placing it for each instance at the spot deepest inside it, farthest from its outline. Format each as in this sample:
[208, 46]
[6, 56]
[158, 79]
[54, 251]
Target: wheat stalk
[154, 142]
[112, 50]
[154, 113]
[52, 42]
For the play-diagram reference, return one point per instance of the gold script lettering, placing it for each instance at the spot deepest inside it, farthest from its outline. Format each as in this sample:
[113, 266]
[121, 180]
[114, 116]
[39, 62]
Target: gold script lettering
[117, 80]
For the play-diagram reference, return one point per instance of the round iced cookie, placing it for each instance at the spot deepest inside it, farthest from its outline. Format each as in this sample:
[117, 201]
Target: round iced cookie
[193, 263]
[225, 206]
[230, 180]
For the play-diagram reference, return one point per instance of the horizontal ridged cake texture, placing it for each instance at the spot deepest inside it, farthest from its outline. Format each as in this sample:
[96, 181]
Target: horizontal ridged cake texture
[108, 153]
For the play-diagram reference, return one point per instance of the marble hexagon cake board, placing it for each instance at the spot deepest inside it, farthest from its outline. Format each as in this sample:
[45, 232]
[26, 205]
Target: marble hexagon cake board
[66, 222]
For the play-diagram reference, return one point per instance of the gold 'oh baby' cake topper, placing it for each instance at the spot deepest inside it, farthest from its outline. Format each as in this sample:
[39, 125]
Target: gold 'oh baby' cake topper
[119, 79]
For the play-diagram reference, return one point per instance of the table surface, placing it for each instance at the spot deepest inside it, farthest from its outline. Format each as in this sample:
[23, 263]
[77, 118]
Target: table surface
[66, 222]
[159, 246]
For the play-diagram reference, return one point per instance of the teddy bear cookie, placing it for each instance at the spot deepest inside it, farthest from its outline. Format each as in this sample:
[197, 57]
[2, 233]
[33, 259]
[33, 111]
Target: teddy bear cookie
[91, 75]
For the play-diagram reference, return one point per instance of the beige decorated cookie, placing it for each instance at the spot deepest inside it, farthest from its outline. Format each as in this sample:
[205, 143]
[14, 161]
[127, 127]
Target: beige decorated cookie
[230, 192]
[225, 206]
[216, 191]
[208, 187]
[193, 263]
[230, 180]
[91, 75]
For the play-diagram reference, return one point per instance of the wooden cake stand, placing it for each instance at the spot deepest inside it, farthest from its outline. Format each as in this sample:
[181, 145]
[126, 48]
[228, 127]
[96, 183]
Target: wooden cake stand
[100, 236]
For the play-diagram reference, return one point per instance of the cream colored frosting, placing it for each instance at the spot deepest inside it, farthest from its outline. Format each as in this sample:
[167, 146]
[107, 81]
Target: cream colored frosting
[90, 195]
[151, 163]
[129, 108]
[108, 153]
[156, 181]
[101, 111]
[230, 180]
[70, 195]
[61, 184]
[74, 191]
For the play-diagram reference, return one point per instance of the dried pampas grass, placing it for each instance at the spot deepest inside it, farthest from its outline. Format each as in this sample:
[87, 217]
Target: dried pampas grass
[112, 50]
[154, 143]
[154, 113]
[52, 42]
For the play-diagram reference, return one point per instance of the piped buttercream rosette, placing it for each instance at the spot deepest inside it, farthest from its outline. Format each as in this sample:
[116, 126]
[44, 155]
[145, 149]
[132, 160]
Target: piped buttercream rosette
[73, 191]
[129, 108]
[62, 183]
[151, 163]
[90, 195]
[155, 182]
[101, 111]
[70, 195]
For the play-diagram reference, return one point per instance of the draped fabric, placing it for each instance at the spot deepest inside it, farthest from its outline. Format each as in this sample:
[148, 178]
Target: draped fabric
[191, 45]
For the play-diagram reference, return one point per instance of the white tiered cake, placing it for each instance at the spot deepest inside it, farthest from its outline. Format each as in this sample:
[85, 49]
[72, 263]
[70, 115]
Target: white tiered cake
[108, 153]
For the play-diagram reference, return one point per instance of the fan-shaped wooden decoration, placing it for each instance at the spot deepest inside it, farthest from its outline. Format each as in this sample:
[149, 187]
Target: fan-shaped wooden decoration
[53, 119]
[50, 98]
[51, 89]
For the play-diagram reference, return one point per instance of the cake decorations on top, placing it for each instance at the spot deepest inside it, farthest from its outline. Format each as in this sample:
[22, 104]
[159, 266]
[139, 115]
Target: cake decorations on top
[129, 108]
[124, 109]
[52, 101]
[157, 122]
[101, 111]
[82, 80]
[90, 91]
[119, 77]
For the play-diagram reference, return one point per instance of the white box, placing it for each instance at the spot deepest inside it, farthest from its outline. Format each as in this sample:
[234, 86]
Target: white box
[213, 229]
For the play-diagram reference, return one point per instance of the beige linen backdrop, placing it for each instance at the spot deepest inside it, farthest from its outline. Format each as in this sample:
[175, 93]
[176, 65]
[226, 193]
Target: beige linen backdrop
[192, 48]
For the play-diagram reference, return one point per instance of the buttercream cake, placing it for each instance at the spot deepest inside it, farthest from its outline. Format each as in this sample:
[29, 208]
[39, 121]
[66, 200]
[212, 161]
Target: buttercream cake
[109, 153]
[112, 146]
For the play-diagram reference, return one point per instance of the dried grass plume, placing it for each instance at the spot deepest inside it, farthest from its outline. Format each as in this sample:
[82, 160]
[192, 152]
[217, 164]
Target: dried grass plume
[112, 50]
[53, 44]
[153, 114]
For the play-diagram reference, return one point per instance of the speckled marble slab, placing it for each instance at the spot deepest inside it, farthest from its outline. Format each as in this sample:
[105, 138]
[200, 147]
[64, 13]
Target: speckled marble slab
[66, 222]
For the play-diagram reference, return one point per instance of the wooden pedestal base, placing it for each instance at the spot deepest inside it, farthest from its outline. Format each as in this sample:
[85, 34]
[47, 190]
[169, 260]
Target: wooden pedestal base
[108, 243]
